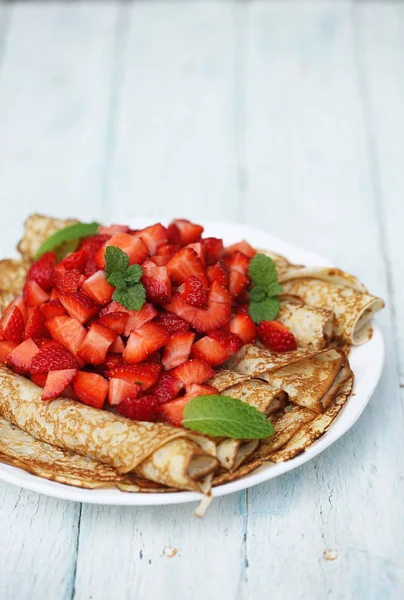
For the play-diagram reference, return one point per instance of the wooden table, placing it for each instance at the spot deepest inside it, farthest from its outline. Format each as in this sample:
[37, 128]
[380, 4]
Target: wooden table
[284, 115]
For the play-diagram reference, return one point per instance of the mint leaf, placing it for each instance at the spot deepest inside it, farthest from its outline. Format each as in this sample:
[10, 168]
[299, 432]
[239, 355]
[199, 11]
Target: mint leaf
[133, 274]
[262, 270]
[132, 297]
[258, 293]
[68, 234]
[117, 279]
[116, 260]
[274, 289]
[267, 310]
[228, 417]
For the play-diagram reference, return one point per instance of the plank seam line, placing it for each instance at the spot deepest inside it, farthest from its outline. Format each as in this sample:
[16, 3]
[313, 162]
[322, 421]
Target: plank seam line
[76, 553]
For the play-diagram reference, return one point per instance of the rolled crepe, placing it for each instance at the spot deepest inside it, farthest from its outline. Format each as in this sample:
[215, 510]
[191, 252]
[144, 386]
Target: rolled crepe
[37, 229]
[340, 292]
[311, 326]
[12, 275]
[121, 443]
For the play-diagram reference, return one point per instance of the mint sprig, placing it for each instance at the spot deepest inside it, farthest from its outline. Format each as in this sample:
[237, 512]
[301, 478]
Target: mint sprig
[71, 233]
[264, 302]
[228, 417]
[129, 291]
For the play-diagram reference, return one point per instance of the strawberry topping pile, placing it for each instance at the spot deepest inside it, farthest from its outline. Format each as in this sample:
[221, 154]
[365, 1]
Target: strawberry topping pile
[74, 331]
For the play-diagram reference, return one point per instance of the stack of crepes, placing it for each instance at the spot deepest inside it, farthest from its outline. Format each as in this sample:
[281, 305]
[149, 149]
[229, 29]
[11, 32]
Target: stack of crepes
[301, 392]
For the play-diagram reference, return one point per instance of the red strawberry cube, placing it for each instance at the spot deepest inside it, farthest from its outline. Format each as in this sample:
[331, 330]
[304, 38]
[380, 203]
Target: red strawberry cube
[174, 411]
[57, 382]
[213, 249]
[188, 232]
[79, 306]
[193, 371]
[166, 388]
[144, 375]
[177, 349]
[53, 357]
[96, 344]
[121, 390]
[20, 358]
[184, 264]
[210, 351]
[144, 341]
[137, 318]
[90, 388]
[12, 325]
[53, 308]
[243, 326]
[130, 244]
[115, 320]
[153, 237]
[5, 348]
[67, 331]
[157, 283]
[33, 294]
[98, 288]
[41, 271]
[140, 409]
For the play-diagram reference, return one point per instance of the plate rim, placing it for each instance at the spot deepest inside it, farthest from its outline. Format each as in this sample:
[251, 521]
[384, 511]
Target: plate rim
[114, 497]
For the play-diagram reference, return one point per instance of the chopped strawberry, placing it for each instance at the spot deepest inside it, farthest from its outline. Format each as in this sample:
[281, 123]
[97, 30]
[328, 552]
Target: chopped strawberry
[210, 351]
[238, 276]
[115, 320]
[243, 247]
[193, 371]
[189, 232]
[177, 349]
[39, 379]
[41, 271]
[68, 282]
[172, 323]
[57, 382]
[166, 388]
[96, 344]
[118, 346]
[130, 244]
[217, 273]
[35, 327]
[67, 331]
[174, 411]
[168, 250]
[197, 246]
[231, 342]
[194, 293]
[137, 318]
[121, 390]
[140, 409]
[144, 375]
[20, 359]
[79, 306]
[33, 294]
[154, 237]
[213, 249]
[184, 264]
[114, 360]
[75, 260]
[91, 246]
[54, 294]
[90, 388]
[113, 307]
[12, 325]
[5, 348]
[243, 326]
[53, 308]
[19, 303]
[157, 283]
[52, 358]
[174, 236]
[112, 229]
[276, 336]
[144, 341]
[241, 309]
[98, 288]
[160, 261]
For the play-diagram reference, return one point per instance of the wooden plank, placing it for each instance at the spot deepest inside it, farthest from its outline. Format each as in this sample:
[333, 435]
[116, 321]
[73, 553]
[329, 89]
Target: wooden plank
[309, 180]
[174, 143]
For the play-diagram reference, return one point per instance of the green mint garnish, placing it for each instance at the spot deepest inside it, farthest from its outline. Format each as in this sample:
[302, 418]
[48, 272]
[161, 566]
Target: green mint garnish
[264, 302]
[228, 417]
[129, 291]
[71, 233]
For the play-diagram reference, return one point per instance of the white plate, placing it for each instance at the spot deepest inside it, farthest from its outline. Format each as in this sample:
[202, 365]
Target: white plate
[366, 362]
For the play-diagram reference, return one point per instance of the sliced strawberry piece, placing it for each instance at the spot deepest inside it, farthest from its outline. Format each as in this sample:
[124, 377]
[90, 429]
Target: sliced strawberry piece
[157, 283]
[41, 271]
[35, 327]
[168, 250]
[140, 409]
[121, 390]
[194, 293]
[90, 246]
[193, 371]
[39, 379]
[229, 341]
[189, 232]
[98, 288]
[217, 273]
[276, 336]
[213, 249]
[68, 282]
[160, 261]
[118, 346]
[131, 245]
[154, 237]
[79, 306]
[52, 358]
[243, 247]
[174, 236]
[177, 349]
[12, 325]
[113, 307]
[137, 318]
[144, 375]
[113, 361]
[174, 411]
[6, 348]
[241, 309]
[20, 359]
[57, 382]
[75, 260]
[19, 303]
[243, 326]
[172, 323]
[54, 295]
[67, 331]
[184, 264]
[115, 320]
[238, 275]
[144, 341]
[53, 308]
[166, 388]
[90, 388]
[197, 246]
[112, 229]
[96, 344]
[33, 294]
[210, 351]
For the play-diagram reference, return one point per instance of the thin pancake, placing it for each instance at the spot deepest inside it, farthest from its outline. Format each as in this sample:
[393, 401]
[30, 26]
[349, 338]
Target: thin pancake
[259, 394]
[13, 274]
[312, 327]
[37, 229]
